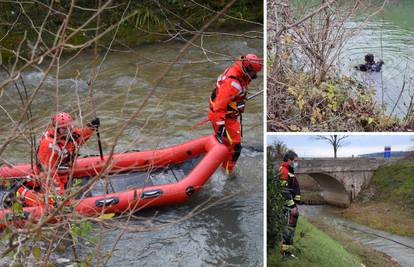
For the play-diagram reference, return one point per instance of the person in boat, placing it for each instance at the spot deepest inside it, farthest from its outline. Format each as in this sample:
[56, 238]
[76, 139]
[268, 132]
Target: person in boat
[55, 154]
[370, 64]
[291, 193]
[227, 103]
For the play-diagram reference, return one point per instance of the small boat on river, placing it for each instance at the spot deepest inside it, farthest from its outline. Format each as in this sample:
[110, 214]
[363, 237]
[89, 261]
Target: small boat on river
[157, 177]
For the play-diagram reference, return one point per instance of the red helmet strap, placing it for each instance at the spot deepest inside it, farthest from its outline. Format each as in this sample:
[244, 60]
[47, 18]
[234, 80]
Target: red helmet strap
[248, 68]
[248, 71]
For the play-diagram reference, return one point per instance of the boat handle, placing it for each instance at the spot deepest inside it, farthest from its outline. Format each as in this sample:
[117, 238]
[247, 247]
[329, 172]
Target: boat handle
[151, 194]
[107, 202]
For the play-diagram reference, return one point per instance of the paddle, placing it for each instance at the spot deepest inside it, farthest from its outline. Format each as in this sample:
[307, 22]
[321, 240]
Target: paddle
[241, 124]
[98, 135]
[255, 94]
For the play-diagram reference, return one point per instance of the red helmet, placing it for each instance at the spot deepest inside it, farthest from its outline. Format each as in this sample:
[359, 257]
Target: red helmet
[252, 62]
[62, 119]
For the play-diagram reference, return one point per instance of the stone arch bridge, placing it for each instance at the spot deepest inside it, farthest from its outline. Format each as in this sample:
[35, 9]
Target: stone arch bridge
[341, 179]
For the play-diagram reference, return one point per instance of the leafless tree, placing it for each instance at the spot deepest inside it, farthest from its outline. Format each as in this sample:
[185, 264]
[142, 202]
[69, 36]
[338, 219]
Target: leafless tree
[335, 141]
[306, 91]
[277, 150]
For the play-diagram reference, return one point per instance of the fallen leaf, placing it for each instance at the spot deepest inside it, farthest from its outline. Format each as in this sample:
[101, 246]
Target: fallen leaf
[107, 216]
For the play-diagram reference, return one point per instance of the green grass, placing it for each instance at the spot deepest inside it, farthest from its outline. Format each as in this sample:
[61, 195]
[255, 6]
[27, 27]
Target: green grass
[391, 209]
[367, 256]
[395, 183]
[316, 249]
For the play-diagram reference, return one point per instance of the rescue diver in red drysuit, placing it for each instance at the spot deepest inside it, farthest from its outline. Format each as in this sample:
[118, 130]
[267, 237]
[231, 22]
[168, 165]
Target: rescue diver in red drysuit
[227, 103]
[57, 150]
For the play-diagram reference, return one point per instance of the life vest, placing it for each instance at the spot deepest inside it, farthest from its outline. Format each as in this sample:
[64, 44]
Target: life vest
[236, 106]
[64, 149]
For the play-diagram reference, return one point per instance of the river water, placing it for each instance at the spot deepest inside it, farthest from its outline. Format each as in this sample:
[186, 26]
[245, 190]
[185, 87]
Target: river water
[400, 248]
[389, 36]
[230, 232]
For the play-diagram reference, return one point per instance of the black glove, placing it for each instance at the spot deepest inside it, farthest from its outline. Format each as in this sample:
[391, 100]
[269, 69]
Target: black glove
[220, 134]
[94, 124]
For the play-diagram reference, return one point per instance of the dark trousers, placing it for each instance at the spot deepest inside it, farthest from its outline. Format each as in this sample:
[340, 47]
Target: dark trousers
[291, 216]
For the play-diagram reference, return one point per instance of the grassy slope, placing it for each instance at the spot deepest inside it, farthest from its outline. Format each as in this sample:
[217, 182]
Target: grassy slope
[368, 256]
[316, 249]
[395, 183]
[322, 245]
[392, 206]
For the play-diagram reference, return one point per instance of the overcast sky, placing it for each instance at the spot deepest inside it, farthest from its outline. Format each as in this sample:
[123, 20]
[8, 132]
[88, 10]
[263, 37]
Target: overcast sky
[307, 146]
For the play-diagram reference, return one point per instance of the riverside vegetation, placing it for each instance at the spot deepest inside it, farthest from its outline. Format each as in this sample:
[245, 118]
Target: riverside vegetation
[320, 245]
[306, 89]
[338, 103]
[388, 202]
[152, 21]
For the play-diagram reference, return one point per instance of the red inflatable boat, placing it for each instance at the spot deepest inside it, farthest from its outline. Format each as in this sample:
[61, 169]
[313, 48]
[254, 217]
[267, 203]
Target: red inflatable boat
[159, 177]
